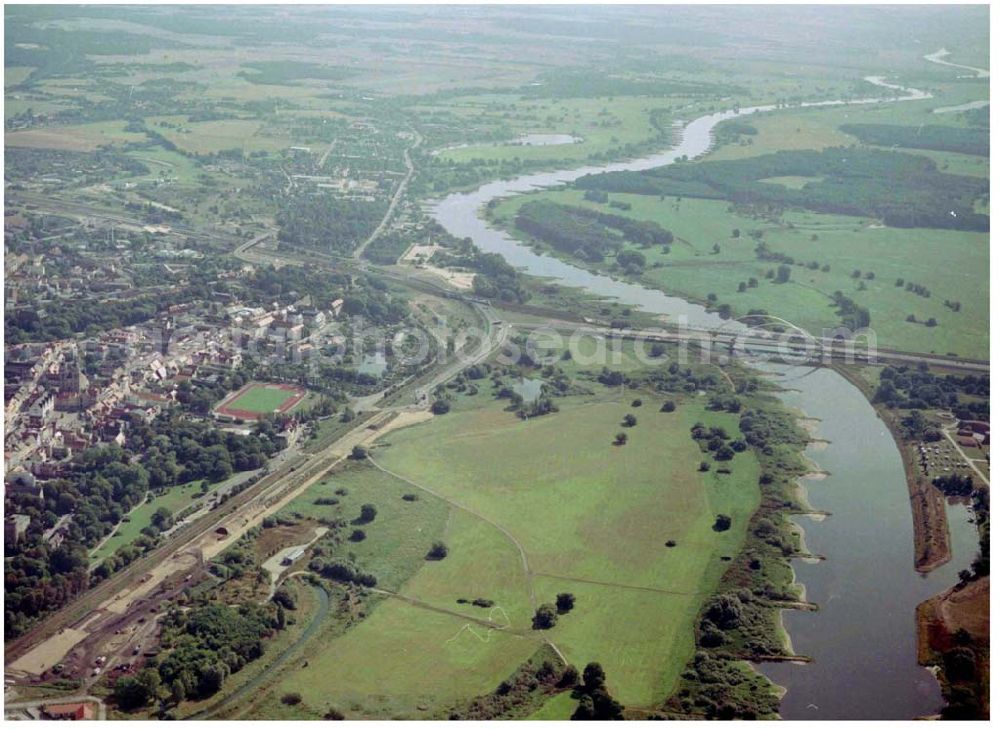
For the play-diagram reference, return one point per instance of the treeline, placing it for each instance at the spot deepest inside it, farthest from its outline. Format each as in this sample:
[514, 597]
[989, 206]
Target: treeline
[97, 166]
[903, 190]
[738, 623]
[588, 84]
[585, 233]
[964, 140]
[105, 484]
[328, 224]
[288, 72]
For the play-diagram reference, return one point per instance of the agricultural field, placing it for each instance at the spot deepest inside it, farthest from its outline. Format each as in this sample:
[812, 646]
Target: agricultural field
[258, 398]
[594, 525]
[76, 138]
[948, 263]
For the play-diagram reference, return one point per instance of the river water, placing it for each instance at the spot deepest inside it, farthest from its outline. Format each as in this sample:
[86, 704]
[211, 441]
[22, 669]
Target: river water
[862, 639]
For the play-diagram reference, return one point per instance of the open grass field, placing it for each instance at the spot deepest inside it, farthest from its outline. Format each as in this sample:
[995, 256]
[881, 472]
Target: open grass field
[950, 263]
[790, 128]
[594, 525]
[208, 137]
[175, 500]
[14, 75]
[602, 125]
[258, 398]
[76, 138]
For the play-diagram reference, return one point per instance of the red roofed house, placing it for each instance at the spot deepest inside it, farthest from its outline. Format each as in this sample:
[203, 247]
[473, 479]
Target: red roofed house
[74, 712]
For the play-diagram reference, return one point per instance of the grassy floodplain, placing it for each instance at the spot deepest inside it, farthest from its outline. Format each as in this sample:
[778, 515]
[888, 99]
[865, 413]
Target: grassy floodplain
[594, 525]
[949, 263]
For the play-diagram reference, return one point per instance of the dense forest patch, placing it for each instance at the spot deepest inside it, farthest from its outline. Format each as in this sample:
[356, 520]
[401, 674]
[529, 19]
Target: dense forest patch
[926, 136]
[589, 234]
[904, 190]
[289, 72]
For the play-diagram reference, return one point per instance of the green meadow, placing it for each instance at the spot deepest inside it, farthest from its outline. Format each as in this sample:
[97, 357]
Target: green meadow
[601, 124]
[175, 500]
[949, 263]
[594, 525]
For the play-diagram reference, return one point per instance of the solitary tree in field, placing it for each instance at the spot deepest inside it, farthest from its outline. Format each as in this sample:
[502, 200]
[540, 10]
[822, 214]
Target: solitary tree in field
[545, 617]
[437, 552]
[565, 602]
[621, 439]
[368, 512]
[722, 523]
[629, 420]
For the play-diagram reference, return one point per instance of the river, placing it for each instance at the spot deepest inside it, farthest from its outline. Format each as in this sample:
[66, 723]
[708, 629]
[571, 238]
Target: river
[862, 640]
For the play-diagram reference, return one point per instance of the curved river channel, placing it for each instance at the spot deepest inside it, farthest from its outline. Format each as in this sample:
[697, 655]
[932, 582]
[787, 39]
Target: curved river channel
[862, 639]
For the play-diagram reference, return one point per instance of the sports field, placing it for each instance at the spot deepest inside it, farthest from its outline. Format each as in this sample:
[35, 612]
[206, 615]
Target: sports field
[258, 398]
[523, 524]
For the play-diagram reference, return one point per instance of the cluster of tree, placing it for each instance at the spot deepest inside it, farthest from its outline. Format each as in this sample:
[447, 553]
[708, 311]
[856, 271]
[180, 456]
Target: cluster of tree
[965, 140]
[714, 439]
[954, 485]
[203, 647]
[540, 406]
[177, 450]
[732, 131]
[105, 484]
[328, 224]
[89, 167]
[494, 279]
[587, 234]
[533, 680]
[852, 314]
[596, 704]
[903, 190]
[90, 316]
[717, 688]
[201, 395]
[917, 388]
[673, 378]
[343, 572]
[547, 615]
[918, 289]
[763, 429]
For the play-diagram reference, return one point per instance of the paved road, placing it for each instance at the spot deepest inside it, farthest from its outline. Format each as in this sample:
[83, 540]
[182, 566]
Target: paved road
[396, 197]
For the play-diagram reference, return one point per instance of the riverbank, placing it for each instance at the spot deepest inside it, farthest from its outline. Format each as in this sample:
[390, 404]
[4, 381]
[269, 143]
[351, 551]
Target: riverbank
[953, 640]
[760, 581]
[867, 654]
